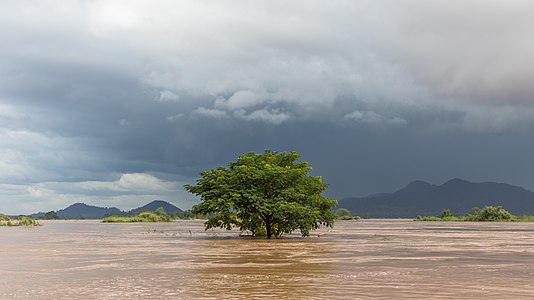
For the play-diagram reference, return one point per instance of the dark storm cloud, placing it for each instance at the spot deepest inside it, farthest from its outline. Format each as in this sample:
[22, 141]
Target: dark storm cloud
[117, 103]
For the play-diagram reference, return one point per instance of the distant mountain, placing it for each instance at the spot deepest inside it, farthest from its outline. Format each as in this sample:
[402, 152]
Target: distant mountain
[152, 206]
[423, 198]
[84, 211]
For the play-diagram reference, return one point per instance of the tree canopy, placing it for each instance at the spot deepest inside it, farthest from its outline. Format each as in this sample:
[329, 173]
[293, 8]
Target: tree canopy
[268, 193]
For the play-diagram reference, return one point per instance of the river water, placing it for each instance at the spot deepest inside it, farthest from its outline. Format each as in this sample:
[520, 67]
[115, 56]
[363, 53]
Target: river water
[365, 259]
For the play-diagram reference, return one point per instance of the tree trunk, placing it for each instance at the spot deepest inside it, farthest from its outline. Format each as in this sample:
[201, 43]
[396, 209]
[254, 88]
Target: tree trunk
[268, 229]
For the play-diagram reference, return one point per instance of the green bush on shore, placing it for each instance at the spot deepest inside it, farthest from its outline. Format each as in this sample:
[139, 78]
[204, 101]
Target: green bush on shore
[4, 218]
[485, 214]
[20, 221]
[525, 218]
[344, 214]
[188, 215]
[26, 221]
[144, 216]
[430, 218]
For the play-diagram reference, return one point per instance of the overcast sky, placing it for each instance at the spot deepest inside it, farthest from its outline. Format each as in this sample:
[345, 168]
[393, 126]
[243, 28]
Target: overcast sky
[117, 103]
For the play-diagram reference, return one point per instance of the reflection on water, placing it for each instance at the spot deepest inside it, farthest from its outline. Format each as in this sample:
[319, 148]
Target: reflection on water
[358, 259]
[263, 268]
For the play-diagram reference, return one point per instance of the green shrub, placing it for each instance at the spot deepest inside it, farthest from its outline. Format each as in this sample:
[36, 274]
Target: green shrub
[494, 214]
[162, 214]
[428, 218]
[26, 221]
[474, 211]
[149, 216]
[446, 214]
[118, 219]
[525, 218]
[485, 214]
[348, 218]
[144, 216]
[20, 221]
[4, 218]
[344, 214]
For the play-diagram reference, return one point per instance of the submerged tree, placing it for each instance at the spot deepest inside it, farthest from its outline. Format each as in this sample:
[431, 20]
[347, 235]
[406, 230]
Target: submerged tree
[270, 193]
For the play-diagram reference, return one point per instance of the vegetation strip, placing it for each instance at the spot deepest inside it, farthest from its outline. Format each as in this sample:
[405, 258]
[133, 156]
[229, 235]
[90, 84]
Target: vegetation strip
[485, 214]
[20, 221]
[145, 216]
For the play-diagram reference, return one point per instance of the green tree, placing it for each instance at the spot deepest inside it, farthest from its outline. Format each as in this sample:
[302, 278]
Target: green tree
[24, 221]
[475, 211]
[148, 216]
[269, 192]
[4, 218]
[51, 215]
[160, 211]
[494, 213]
[446, 214]
[343, 212]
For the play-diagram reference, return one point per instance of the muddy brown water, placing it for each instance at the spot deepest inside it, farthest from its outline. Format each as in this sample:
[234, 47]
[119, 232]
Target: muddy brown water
[366, 259]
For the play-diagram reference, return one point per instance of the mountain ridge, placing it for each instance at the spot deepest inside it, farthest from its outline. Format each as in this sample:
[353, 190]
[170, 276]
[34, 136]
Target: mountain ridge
[85, 211]
[152, 206]
[459, 195]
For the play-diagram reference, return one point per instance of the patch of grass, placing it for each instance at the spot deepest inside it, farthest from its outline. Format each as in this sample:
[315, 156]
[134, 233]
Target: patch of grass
[525, 218]
[144, 216]
[347, 218]
[432, 219]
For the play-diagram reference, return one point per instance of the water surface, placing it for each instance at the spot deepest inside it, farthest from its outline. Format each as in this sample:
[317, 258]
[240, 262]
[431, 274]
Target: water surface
[378, 259]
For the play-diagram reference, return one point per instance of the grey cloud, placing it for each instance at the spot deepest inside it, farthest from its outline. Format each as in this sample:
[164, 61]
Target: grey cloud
[466, 51]
[214, 113]
[174, 118]
[195, 84]
[241, 99]
[372, 117]
[167, 96]
[307, 63]
[272, 116]
[126, 192]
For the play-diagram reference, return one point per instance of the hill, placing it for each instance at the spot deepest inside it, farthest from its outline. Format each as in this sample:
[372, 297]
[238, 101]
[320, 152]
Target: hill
[423, 198]
[152, 206]
[84, 211]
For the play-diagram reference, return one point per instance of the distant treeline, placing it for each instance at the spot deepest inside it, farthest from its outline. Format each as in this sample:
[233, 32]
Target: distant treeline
[485, 214]
[159, 215]
[51, 215]
[180, 215]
